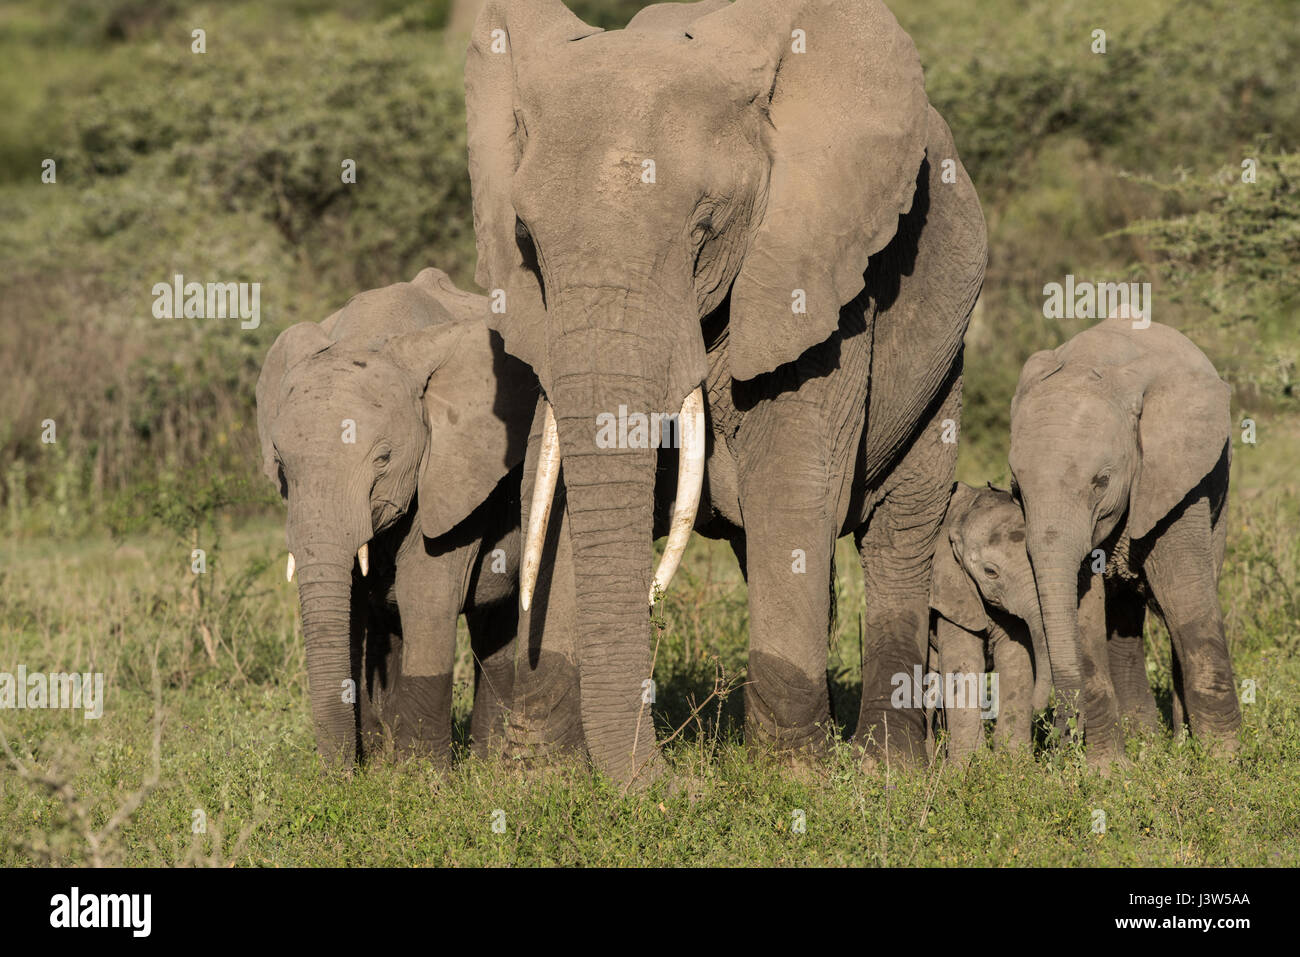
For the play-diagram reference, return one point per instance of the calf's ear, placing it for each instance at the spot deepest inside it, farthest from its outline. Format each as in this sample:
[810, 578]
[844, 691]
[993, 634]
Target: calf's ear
[1183, 430]
[952, 593]
[478, 404]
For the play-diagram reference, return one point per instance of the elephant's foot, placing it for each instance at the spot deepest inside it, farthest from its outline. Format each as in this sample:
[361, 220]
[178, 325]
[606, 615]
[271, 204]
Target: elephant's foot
[375, 744]
[786, 710]
[437, 754]
[806, 764]
[336, 767]
[1107, 762]
[1223, 744]
[419, 719]
[891, 738]
[545, 721]
[647, 773]
[793, 747]
[1141, 720]
[1069, 722]
[534, 744]
[1210, 696]
[568, 770]
[1016, 739]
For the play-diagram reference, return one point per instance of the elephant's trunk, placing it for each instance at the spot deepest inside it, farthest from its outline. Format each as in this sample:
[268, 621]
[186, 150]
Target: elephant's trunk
[327, 533]
[1042, 665]
[325, 594]
[609, 489]
[1056, 550]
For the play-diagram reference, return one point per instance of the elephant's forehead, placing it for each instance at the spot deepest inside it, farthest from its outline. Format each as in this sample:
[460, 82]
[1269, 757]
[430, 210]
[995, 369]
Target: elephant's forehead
[621, 80]
[356, 384]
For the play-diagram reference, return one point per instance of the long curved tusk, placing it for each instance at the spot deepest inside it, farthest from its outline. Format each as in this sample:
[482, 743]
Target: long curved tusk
[288, 571]
[363, 558]
[548, 475]
[690, 480]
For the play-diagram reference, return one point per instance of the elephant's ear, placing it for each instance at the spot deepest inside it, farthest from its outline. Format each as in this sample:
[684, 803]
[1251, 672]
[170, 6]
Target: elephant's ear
[1037, 367]
[507, 32]
[952, 593]
[849, 119]
[298, 342]
[478, 405]
[1183, 428]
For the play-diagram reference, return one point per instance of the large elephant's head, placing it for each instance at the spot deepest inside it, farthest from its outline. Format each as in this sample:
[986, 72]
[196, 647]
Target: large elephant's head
[1109, 432]
[353, 428]
[982, 564]
[628, 184]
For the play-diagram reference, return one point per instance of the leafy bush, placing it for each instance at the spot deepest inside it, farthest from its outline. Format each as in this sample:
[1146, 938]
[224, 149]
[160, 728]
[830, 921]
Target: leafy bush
[226, 166]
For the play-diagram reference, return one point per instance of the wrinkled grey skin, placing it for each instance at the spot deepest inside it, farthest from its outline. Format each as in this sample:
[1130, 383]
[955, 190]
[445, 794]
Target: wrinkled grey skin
[798, 242]
[1120, 442]
[431, 483]
[982, 593]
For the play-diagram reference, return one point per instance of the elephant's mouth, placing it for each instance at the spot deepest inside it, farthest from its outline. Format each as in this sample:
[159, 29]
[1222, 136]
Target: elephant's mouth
[363, 559]
[690, 483]
[384, 513]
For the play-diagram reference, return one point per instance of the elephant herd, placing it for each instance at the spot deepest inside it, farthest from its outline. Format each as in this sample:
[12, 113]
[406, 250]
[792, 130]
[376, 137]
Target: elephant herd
[744, 224]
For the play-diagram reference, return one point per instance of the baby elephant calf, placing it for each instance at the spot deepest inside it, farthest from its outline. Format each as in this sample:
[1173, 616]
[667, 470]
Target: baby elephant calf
[983, 604]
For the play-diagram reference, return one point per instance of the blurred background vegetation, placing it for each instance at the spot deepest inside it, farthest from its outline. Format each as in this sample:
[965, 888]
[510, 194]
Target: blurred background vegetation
[226, 166]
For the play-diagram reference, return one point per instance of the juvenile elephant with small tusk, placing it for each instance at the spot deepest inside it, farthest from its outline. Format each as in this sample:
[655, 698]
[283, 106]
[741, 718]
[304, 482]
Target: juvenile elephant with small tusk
[1120, 451]
[395, 431]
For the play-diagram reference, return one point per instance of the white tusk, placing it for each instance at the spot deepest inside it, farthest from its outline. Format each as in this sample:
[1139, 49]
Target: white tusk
[288, 572]
[690, 479]
[548, 474]
[363, 557]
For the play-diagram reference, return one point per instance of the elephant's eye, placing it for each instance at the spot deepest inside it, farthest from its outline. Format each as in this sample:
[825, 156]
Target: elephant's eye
[382, 457]
[990, 571]
[1101, 482]
[527, 248]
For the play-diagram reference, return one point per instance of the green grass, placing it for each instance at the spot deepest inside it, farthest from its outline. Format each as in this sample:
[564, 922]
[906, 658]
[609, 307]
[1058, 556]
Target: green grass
[236, 741]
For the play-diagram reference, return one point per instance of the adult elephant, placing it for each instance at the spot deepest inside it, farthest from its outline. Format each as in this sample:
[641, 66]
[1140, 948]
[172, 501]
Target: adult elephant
[750, 207]
[1120, 442]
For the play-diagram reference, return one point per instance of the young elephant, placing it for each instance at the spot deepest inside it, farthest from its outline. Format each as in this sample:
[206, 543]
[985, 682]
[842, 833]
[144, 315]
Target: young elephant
[401, 397]
[1120, 450]
[982, 595]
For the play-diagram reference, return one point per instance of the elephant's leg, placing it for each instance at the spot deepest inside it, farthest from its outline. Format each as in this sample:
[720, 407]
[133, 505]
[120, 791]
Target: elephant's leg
[1181, 570]
[1178, 704]
[1013, 665]
[961, 653]
[430, 591]
[492, 639]
[896, 548]
[492, 614]
[789, 550]
[1102, 732]
[931, 664]
[546, 713]
[380, 675]
[1125, 615]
